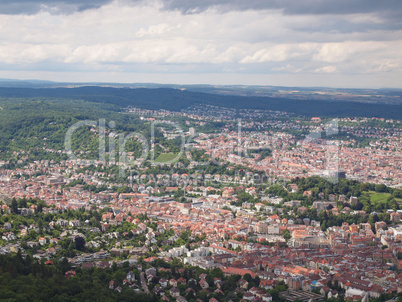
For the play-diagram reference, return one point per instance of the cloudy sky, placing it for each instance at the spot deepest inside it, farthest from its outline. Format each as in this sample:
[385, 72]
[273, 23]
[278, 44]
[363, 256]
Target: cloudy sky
[335, 43]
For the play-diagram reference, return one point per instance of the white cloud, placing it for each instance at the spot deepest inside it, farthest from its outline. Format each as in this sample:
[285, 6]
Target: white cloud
[288, 68]
[340, 52]
[326, 69]
[145, 38]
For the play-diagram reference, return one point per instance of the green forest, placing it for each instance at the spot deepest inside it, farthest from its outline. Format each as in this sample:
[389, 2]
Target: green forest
[39, 126]
[26, 279]
[176, 100]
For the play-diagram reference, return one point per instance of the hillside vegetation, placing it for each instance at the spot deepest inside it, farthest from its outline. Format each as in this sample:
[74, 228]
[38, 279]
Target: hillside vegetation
[176, 100]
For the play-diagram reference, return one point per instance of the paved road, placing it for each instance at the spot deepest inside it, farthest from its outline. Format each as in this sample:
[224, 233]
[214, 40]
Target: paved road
[143, 283]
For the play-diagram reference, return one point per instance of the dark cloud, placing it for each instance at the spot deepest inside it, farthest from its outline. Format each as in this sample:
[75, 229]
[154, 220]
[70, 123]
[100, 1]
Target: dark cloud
[388, 9]
[29, 7]
[291, 6]
[86, 6]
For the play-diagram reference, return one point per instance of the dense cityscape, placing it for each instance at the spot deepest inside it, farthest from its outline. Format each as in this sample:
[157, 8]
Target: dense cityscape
[200, 151]
[249, 210]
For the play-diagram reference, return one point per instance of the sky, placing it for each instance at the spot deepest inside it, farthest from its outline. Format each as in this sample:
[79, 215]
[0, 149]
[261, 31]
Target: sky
[331, 43]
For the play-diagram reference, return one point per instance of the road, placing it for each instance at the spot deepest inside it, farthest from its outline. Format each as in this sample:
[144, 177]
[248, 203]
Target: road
[143, 283]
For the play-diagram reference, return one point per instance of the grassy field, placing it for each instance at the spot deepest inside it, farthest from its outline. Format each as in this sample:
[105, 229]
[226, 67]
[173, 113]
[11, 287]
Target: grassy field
[165, 157]
[380, 197]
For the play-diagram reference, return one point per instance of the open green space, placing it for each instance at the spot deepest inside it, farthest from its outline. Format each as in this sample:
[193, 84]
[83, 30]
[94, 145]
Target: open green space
[380, 197]
[165, 157]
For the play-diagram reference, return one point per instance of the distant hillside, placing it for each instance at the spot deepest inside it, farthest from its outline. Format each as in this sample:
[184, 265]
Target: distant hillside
[176, 100]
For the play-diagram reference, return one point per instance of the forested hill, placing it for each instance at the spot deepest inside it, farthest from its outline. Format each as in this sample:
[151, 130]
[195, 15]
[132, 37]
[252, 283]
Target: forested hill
[176, 100]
